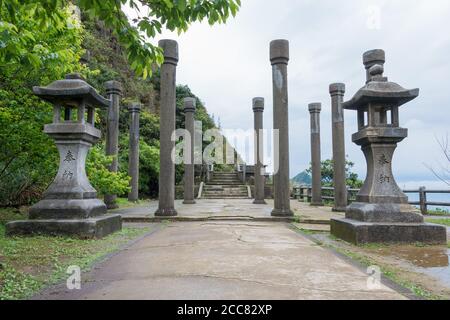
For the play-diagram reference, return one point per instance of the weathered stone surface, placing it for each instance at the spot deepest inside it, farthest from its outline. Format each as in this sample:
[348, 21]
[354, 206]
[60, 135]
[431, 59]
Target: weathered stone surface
[381, 212]
[337, 91]
[167, 127]
[279, 58]
[358, 232]
[67, 209]
[70, 91]
[114, 91]
[189, 110]
[133, 156]
[258, 110]
[91, 228]
[314, 110]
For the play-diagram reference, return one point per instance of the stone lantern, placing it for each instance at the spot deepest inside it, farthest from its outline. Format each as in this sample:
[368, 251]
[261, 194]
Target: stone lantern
[381, 212]
[70, 205]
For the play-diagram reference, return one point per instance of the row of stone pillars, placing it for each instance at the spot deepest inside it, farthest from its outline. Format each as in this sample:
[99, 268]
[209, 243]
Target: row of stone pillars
[279, 57]
[114, 91]
[337, 91]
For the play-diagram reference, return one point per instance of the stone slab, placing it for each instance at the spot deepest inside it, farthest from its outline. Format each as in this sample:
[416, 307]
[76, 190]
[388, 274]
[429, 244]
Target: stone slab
[93, 228]
[67, 209]
[383, 213]
[357, 232]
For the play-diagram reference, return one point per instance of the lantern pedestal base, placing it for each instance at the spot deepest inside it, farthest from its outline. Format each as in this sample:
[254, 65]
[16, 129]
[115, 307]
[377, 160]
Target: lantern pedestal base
[358, 232]
[93, 228]
[67, 209]
[383, 212]
[282, 213]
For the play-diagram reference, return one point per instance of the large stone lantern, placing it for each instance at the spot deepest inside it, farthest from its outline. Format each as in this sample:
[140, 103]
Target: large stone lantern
[70, 205]
[381, 212]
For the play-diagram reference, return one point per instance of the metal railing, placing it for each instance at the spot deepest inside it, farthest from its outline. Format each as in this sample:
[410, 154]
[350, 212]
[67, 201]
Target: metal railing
[305, 193]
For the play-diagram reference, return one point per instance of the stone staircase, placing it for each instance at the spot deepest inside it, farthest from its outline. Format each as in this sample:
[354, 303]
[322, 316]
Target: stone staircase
[225, 185]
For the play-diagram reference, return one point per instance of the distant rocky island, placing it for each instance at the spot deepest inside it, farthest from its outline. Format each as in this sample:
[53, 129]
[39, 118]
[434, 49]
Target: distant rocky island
[303, 178]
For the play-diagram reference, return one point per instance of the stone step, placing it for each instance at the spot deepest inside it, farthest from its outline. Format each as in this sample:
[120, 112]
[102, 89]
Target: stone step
[226, 183]
[226, 197]
[238, 186]
[222, 188]
[225, 192]
[225, 178]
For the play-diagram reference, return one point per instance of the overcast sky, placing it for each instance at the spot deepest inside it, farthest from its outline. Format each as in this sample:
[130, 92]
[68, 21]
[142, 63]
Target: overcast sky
[228, 65]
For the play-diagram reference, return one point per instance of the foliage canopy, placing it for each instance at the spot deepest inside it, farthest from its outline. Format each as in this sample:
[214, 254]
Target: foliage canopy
[152, 17]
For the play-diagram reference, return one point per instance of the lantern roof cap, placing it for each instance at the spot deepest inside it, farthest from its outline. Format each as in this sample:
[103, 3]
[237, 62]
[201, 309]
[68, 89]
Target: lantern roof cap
[71, 90]
[378, 89]
[388, 93]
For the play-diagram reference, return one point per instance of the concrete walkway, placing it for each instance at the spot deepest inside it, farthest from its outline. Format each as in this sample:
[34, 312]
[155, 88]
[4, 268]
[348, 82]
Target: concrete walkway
[224, 260]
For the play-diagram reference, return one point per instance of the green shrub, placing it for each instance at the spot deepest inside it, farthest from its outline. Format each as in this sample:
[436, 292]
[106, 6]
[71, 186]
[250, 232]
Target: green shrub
[103, 180]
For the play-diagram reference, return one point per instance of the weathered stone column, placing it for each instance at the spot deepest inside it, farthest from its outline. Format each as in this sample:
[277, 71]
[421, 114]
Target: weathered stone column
[279, 58]
[314, 110]
[337, 91]
[258, 111]
[114, 91]
[189, 110]
[167, 128]
[133, 155]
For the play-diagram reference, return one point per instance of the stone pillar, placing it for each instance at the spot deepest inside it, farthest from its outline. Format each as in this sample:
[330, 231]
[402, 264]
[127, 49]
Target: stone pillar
[258, 111]
[279, 58]
[337, 91]
[114, 92]
[189, 110]
[314, 110]
[167, 128]
[133, 155]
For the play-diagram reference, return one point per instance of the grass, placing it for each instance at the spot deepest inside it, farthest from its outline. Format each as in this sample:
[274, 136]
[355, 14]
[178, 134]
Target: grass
[439, 212]
[445, 222]
[10, 214]
[124, 203]
[389, 273]
[29, 264]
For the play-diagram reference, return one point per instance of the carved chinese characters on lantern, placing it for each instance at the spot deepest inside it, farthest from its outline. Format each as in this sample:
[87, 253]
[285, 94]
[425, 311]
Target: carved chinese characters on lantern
[384, 179]
[68, 175]
[383, 160]
[69, 157]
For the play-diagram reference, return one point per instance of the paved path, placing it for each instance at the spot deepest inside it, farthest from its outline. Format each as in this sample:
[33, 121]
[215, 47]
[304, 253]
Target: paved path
[228, 208]
[224, 260]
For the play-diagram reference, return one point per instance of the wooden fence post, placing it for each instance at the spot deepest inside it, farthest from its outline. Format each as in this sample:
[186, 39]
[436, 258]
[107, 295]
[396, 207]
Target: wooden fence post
[423, 200]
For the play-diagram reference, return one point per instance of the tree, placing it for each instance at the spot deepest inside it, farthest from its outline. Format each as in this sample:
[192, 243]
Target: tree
[32, 54]
[153, 15]
[327, 171]
[443, 173]
[36, 54]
